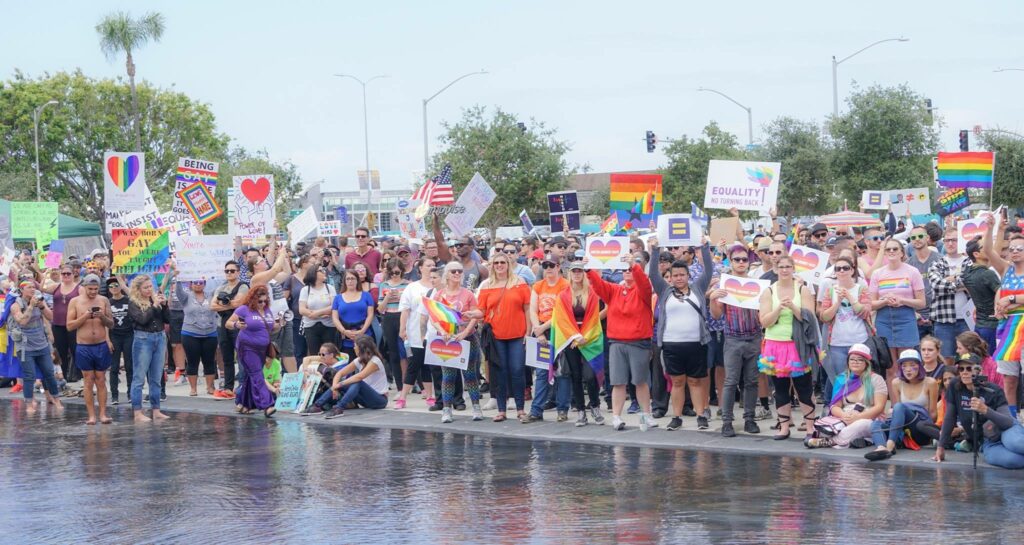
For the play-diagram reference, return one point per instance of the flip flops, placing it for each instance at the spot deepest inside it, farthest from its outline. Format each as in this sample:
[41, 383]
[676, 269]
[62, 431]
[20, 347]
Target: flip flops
[878, 455]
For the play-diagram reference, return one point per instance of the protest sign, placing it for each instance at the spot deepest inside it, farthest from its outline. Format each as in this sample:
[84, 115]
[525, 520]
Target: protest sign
[341, 214]
[124, 180]
[55, 254]
[189, 172]
[6, 238]
[329, 228]
[29, 218]
[952, 201]
[178, 226]
[472, 204]
[199, 203]
[562, 204]
[915, 200]
[572, 218]
[7, 256]
[203, 257]
[289, 392]
[140, 251]
[411, 227]
[251, 206]
[809, 263]
[724, 230]
[451, 353]
[679, 230]
[607, 253]
[538, 355]
[635, 199]
[744, 185]
[311, 379]
[527, 223]
[742, 292]
[303, 225]
[43, 240]
[968, 229]
[875, 200]
[145, 217]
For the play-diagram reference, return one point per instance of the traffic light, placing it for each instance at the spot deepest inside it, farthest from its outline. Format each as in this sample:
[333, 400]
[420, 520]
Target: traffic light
[928, 109]
[964, 146]
[652, 141]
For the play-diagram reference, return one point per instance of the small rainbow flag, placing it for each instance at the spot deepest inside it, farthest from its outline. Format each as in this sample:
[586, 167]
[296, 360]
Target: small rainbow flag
[445, 318]
[611, 224]
[645, 205]
[966, 169]
[793, 233]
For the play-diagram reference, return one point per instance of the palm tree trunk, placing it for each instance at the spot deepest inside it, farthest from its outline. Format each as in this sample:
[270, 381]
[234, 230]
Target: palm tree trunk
[136, 123]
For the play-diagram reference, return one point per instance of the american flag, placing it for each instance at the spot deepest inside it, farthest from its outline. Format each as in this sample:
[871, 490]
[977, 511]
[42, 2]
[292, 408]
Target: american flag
[438, 190]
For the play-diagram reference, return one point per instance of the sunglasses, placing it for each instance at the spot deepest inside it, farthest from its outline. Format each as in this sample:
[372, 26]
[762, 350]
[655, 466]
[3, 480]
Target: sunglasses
[820, 235]
[456, 271]
[114, 285]
[964, 368]
[65, 274]
[395, 272]
[499, 262]
[893, 250]
[875, 238]
[361, 236]
[739, 260]
[510, 252]
[777, 252]
[844, 269]
[1016, 249]
[916, 237]
[230, 271]
[560, 246]
[548, 266]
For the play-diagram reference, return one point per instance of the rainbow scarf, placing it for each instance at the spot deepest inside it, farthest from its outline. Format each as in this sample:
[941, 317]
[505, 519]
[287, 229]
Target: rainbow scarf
[589, 336]
[1009, 338]
[846, 383]
[444, 317]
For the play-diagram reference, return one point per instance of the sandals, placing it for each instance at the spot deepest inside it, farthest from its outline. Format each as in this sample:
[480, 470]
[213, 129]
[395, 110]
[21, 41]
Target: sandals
[778, 436]
[500, 418]
[269, 412]
[193, 394]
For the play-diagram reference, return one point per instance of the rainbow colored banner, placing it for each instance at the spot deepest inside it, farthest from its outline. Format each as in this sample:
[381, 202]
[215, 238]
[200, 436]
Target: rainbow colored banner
[966, 169]
[140, 251]
[444, 317]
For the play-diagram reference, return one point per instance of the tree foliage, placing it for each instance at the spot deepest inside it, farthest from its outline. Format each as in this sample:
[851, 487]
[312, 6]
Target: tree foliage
[807, 184]
[686, 175]
[1009, 173]
[522, 163]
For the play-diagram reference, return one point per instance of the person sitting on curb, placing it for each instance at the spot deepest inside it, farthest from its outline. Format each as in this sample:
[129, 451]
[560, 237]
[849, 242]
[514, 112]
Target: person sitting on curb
[914, 395]
[858, 399]
[363, 381]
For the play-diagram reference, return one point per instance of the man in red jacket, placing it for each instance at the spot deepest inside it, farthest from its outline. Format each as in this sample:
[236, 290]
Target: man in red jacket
[630, 328]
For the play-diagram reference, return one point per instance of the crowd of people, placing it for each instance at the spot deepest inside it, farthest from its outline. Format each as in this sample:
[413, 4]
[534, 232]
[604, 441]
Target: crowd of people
[905, 343]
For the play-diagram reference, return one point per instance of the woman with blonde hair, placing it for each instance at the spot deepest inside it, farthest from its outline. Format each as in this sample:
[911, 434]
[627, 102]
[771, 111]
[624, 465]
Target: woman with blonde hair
[148, 311]
[461, 300]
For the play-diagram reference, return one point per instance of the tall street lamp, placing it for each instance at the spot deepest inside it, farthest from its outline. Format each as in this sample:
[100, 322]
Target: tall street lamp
[35, 123]
[426, 149]
[750, 115]
[366, 134]
[835, 70]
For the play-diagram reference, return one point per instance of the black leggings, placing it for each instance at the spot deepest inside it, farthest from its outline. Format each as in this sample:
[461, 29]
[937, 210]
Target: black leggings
[226, 340]
[804, 385]
[412, 372]
[200, 348]
[581, 374]
[122, 348]
[65, 343]
[393, 359]
[317, 335]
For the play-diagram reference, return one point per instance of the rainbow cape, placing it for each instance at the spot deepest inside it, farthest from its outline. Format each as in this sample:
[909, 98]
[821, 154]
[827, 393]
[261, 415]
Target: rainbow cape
[611, 224]
[589, 336]
[445, 318]
[966, 169]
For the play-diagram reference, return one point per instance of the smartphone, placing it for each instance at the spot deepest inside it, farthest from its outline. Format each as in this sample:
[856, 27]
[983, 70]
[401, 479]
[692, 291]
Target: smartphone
[94, 310]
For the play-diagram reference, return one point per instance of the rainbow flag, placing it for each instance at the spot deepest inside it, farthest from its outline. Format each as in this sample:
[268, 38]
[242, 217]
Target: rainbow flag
[589, 336]
[444, 317]
[1009, 338]
[966, 169]
[628, 190]
[611, 224]
[793, 233]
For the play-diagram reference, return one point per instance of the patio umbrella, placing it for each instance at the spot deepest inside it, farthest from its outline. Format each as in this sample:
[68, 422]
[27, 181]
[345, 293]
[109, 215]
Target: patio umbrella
[849, 218]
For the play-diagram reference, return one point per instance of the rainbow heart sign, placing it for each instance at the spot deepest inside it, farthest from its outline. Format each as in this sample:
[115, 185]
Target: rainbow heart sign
[810, 263]
[607, 252]
[451, 353]
[124, 181]
[742, 292]
[967, 230]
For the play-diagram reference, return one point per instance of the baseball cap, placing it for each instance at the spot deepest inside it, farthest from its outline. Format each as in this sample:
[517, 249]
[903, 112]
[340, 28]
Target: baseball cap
[576, 265]
[559, 239]
[91, 280]
[666, 258]
[537, 254]
[112, 280]
[96, 252]
[831, 241]
[861, 350]
[401, 249]
[970, 358]
[818, 227]
[909, 355]
[763, 244]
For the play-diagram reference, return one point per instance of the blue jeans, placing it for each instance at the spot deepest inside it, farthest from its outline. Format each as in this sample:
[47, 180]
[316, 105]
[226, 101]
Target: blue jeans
[148, 353]
[1008, 452]
[360, 392]
[510, 374]
[542, 391]
[41, 361]
[947, 334]
[901, 414]
[834, 365]
[989, 335]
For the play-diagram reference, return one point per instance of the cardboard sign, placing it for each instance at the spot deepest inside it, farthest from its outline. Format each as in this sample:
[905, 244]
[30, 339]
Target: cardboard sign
[875, 200]
[607, 253]
[538, 355]
[528, 227]
[966, 230]
[140, 251]
[203, 257]
[679, 230]
[915, 200]
[199, 203]
[178, 226]
[189, 172]
[303, 225]
[124, 180]
[290, 391]
[952, 201]
[744, 185]
[29, 218]
[809, 263]
[724, 229]
[43, 240]
[472, 204]
[411, 227]
[146, 217]
[742, 292]
[454, 354]
[251, 206]
[310, 383]
[55, 254]
[330, 228]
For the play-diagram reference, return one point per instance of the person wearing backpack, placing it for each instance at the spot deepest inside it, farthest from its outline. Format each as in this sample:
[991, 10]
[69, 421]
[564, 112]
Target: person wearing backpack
[226, 299]
[28, 332]
[315, 300]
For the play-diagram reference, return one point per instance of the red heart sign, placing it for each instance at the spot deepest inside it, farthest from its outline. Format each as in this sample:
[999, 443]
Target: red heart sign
[257, 191]
[446, 350]
[804, 261]
[740, 290]
[604, 251]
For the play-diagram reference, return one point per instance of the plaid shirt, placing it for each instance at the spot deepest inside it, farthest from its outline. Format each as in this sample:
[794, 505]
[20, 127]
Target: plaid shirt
[944, 302]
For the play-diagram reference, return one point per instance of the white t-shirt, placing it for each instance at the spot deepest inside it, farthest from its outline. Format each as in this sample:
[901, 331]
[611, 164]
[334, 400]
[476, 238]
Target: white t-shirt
[412, 300]
[379, 379]
[848, 328]
[682, 321]
[960, 299]
[317, 299]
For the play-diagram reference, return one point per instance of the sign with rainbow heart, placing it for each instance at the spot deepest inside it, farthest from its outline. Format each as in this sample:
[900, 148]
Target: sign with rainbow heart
[607, 253]
[251, 206]
[742, 292]
[679, 230]
[810, 263]
[124, 180]
[140, 251]
[744, 185]
[967, 230]
[444, 353]
[538, 354]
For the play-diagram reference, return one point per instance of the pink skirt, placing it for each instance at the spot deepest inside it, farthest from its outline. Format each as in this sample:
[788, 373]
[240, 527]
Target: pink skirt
[781, 359]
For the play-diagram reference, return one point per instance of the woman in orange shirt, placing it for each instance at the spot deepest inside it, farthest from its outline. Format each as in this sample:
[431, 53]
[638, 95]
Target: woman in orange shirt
[542, 302]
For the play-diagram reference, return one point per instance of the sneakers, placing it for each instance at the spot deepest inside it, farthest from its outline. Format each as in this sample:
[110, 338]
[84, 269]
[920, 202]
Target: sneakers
[399, 404]
[179, 377]
[634, 407]
[819, 442]
[727, 430]
[702, 422]
[595, 414]
[334, 413]
[761, 413]
[478, 415]
[435, 407]
[581, 419]
[618, 424]
[533, 418]
[315, 409]
[17, 388]
[751, 427]
[114, 401]
[688, 411]
[674, 424]
[224, 394]
[446, 415]
[491, 404]
[707, 413]
[658, 413]
[431, 401]
[563, 416]
[645, 421]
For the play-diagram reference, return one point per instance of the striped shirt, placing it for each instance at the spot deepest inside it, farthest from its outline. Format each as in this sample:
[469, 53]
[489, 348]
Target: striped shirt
[743, 323]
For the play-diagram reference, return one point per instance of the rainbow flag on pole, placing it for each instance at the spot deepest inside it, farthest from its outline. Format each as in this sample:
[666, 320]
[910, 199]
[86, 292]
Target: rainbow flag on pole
[966, 169]
[611, 224]
[445, 318]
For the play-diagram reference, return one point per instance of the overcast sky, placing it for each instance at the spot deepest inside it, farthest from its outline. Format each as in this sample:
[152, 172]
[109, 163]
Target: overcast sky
[599, 72]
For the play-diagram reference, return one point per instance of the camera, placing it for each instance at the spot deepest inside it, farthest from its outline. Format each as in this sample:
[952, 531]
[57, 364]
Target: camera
[224, 299]
[38, 296]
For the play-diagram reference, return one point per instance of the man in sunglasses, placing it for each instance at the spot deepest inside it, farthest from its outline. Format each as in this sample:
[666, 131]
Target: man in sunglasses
[522, 271]
[771, 256]
[819, 235]
[949, 307]
[873, 237]
[364, 253]
[226, 298]
[922, 256]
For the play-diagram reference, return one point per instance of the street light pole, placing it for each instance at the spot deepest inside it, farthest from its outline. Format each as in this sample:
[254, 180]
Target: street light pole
[750, 115]
[1009, 70]
[35, 124]
[835, 69]
[366, 135]
[426, 149]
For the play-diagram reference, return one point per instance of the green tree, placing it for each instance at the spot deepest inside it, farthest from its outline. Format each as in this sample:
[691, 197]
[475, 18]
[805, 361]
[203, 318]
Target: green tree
[807, 185]
[119, 33]
[1009, 173]
[522, 163]
[885, 141]
[686, 175]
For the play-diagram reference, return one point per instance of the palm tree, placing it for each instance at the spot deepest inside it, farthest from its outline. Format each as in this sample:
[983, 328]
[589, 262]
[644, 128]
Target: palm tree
[120, 33]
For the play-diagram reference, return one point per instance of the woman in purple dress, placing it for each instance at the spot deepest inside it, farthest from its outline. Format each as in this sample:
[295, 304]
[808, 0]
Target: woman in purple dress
[255, 324]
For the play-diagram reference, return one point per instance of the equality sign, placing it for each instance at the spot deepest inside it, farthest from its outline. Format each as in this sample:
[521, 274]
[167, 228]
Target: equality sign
[809, 263]
[191, 171]
[199, 203]
[251, 206]
[607, 253]
[952, 201]
[527, 223]
[140, 251]
[29, 218]
[874, 200]
[203, 257]
[178, 226]
[124, 180]
[742, 292]
[538, 355]
[966, 230]
[914, 200]
[744, 185]
[679, 230]
[450, 353]
[472, 204]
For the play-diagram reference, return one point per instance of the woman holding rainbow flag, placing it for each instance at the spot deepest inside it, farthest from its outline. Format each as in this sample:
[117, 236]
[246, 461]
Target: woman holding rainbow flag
[576, 334]
[455, 318]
